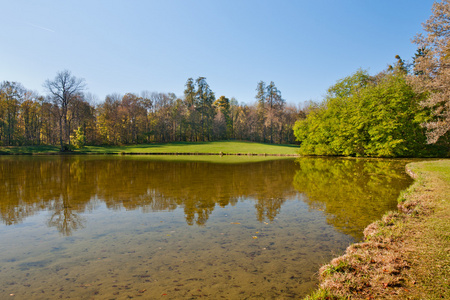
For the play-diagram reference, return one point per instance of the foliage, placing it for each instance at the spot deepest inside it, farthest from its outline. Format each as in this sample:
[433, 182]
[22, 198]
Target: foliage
[377, 116]
[432, 73]
[27, 118]
[79, 140]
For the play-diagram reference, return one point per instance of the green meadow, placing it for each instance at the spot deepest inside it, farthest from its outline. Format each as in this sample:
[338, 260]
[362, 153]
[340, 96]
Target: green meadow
[221, 147]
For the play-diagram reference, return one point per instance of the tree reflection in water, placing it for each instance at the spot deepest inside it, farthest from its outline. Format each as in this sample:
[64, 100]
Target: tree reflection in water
[351, 192]
[68, 186]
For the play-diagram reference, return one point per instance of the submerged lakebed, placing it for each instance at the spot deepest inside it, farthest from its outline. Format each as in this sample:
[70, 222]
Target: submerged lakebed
[167, 227]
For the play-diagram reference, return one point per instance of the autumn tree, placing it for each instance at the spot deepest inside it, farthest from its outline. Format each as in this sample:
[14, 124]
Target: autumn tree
[49, 123]
[108, 120]
[432, 70]
[165, 123]
[81, 114]
[222, 120]
[68, 116]
[11, 96]
[63, 89]
[269, 110]
[31, 119]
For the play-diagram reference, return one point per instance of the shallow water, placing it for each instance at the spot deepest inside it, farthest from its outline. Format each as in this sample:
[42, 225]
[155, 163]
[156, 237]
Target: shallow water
[130, 227]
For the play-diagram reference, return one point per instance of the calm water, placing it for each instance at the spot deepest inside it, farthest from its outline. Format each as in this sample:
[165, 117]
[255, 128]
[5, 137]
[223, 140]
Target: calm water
[130, 227]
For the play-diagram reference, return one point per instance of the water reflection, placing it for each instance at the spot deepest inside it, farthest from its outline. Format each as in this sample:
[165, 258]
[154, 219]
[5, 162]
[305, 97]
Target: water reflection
[68, 186]
[352, 192]
[260, 230]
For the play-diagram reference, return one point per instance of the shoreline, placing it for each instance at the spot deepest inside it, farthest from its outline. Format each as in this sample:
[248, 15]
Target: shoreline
[152, 153]
[389, 263]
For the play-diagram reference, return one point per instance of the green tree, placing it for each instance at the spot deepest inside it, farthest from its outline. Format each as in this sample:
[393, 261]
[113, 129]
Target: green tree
[79, 139]
[205, 98]
[275, 105]
[261, 109]
[192, 115]
[376, 116]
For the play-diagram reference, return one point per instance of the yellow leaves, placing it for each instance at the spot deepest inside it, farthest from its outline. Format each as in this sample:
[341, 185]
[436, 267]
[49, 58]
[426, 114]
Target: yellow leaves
[235, 223]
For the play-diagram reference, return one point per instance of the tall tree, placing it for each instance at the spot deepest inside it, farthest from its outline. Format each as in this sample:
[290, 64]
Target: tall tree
[432, 69]
[63, 90]
[205, 97]
[222, 120]
[224, 110]
[192, 112]
[275, 104]
[261, 108]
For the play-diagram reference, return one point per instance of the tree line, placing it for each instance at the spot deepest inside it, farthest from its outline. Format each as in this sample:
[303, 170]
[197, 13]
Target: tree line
[402, 111]
[67, 117]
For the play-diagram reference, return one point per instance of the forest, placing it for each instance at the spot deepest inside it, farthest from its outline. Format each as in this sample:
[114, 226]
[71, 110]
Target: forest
[68, 117]
[403, 111]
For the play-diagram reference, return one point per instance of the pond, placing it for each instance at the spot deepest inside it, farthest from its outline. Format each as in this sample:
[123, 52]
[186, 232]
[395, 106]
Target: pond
[97, 227]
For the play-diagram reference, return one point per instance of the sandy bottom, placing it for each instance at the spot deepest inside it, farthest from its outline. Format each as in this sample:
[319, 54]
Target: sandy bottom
[123, 254]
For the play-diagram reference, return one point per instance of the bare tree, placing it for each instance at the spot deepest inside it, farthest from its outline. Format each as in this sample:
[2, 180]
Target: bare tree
[64, 89]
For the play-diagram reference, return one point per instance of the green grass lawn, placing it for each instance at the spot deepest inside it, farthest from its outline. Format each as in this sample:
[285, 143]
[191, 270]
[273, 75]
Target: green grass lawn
[226, 147]
[28, 149]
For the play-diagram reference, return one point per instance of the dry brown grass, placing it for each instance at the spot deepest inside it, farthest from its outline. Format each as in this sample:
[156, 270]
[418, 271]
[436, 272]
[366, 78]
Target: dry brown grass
[406, 255]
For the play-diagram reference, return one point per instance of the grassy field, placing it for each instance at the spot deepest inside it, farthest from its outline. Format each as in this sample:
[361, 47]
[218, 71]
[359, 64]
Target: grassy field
[226, 147]
[28, 149]
[406, 255]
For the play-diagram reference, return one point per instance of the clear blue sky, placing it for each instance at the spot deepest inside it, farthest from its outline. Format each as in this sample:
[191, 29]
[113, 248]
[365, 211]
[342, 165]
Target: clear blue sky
[304, 46]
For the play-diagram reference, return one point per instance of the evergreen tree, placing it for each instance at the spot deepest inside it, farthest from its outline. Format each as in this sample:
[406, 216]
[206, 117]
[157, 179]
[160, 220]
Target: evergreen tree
[261, 109]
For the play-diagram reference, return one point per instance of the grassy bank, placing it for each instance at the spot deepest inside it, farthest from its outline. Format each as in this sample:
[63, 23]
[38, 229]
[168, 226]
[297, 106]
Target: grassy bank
[406, 255]
[224, 147]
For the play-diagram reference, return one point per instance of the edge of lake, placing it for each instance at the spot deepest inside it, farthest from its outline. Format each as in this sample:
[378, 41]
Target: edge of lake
[404, 254]
[153, 153]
